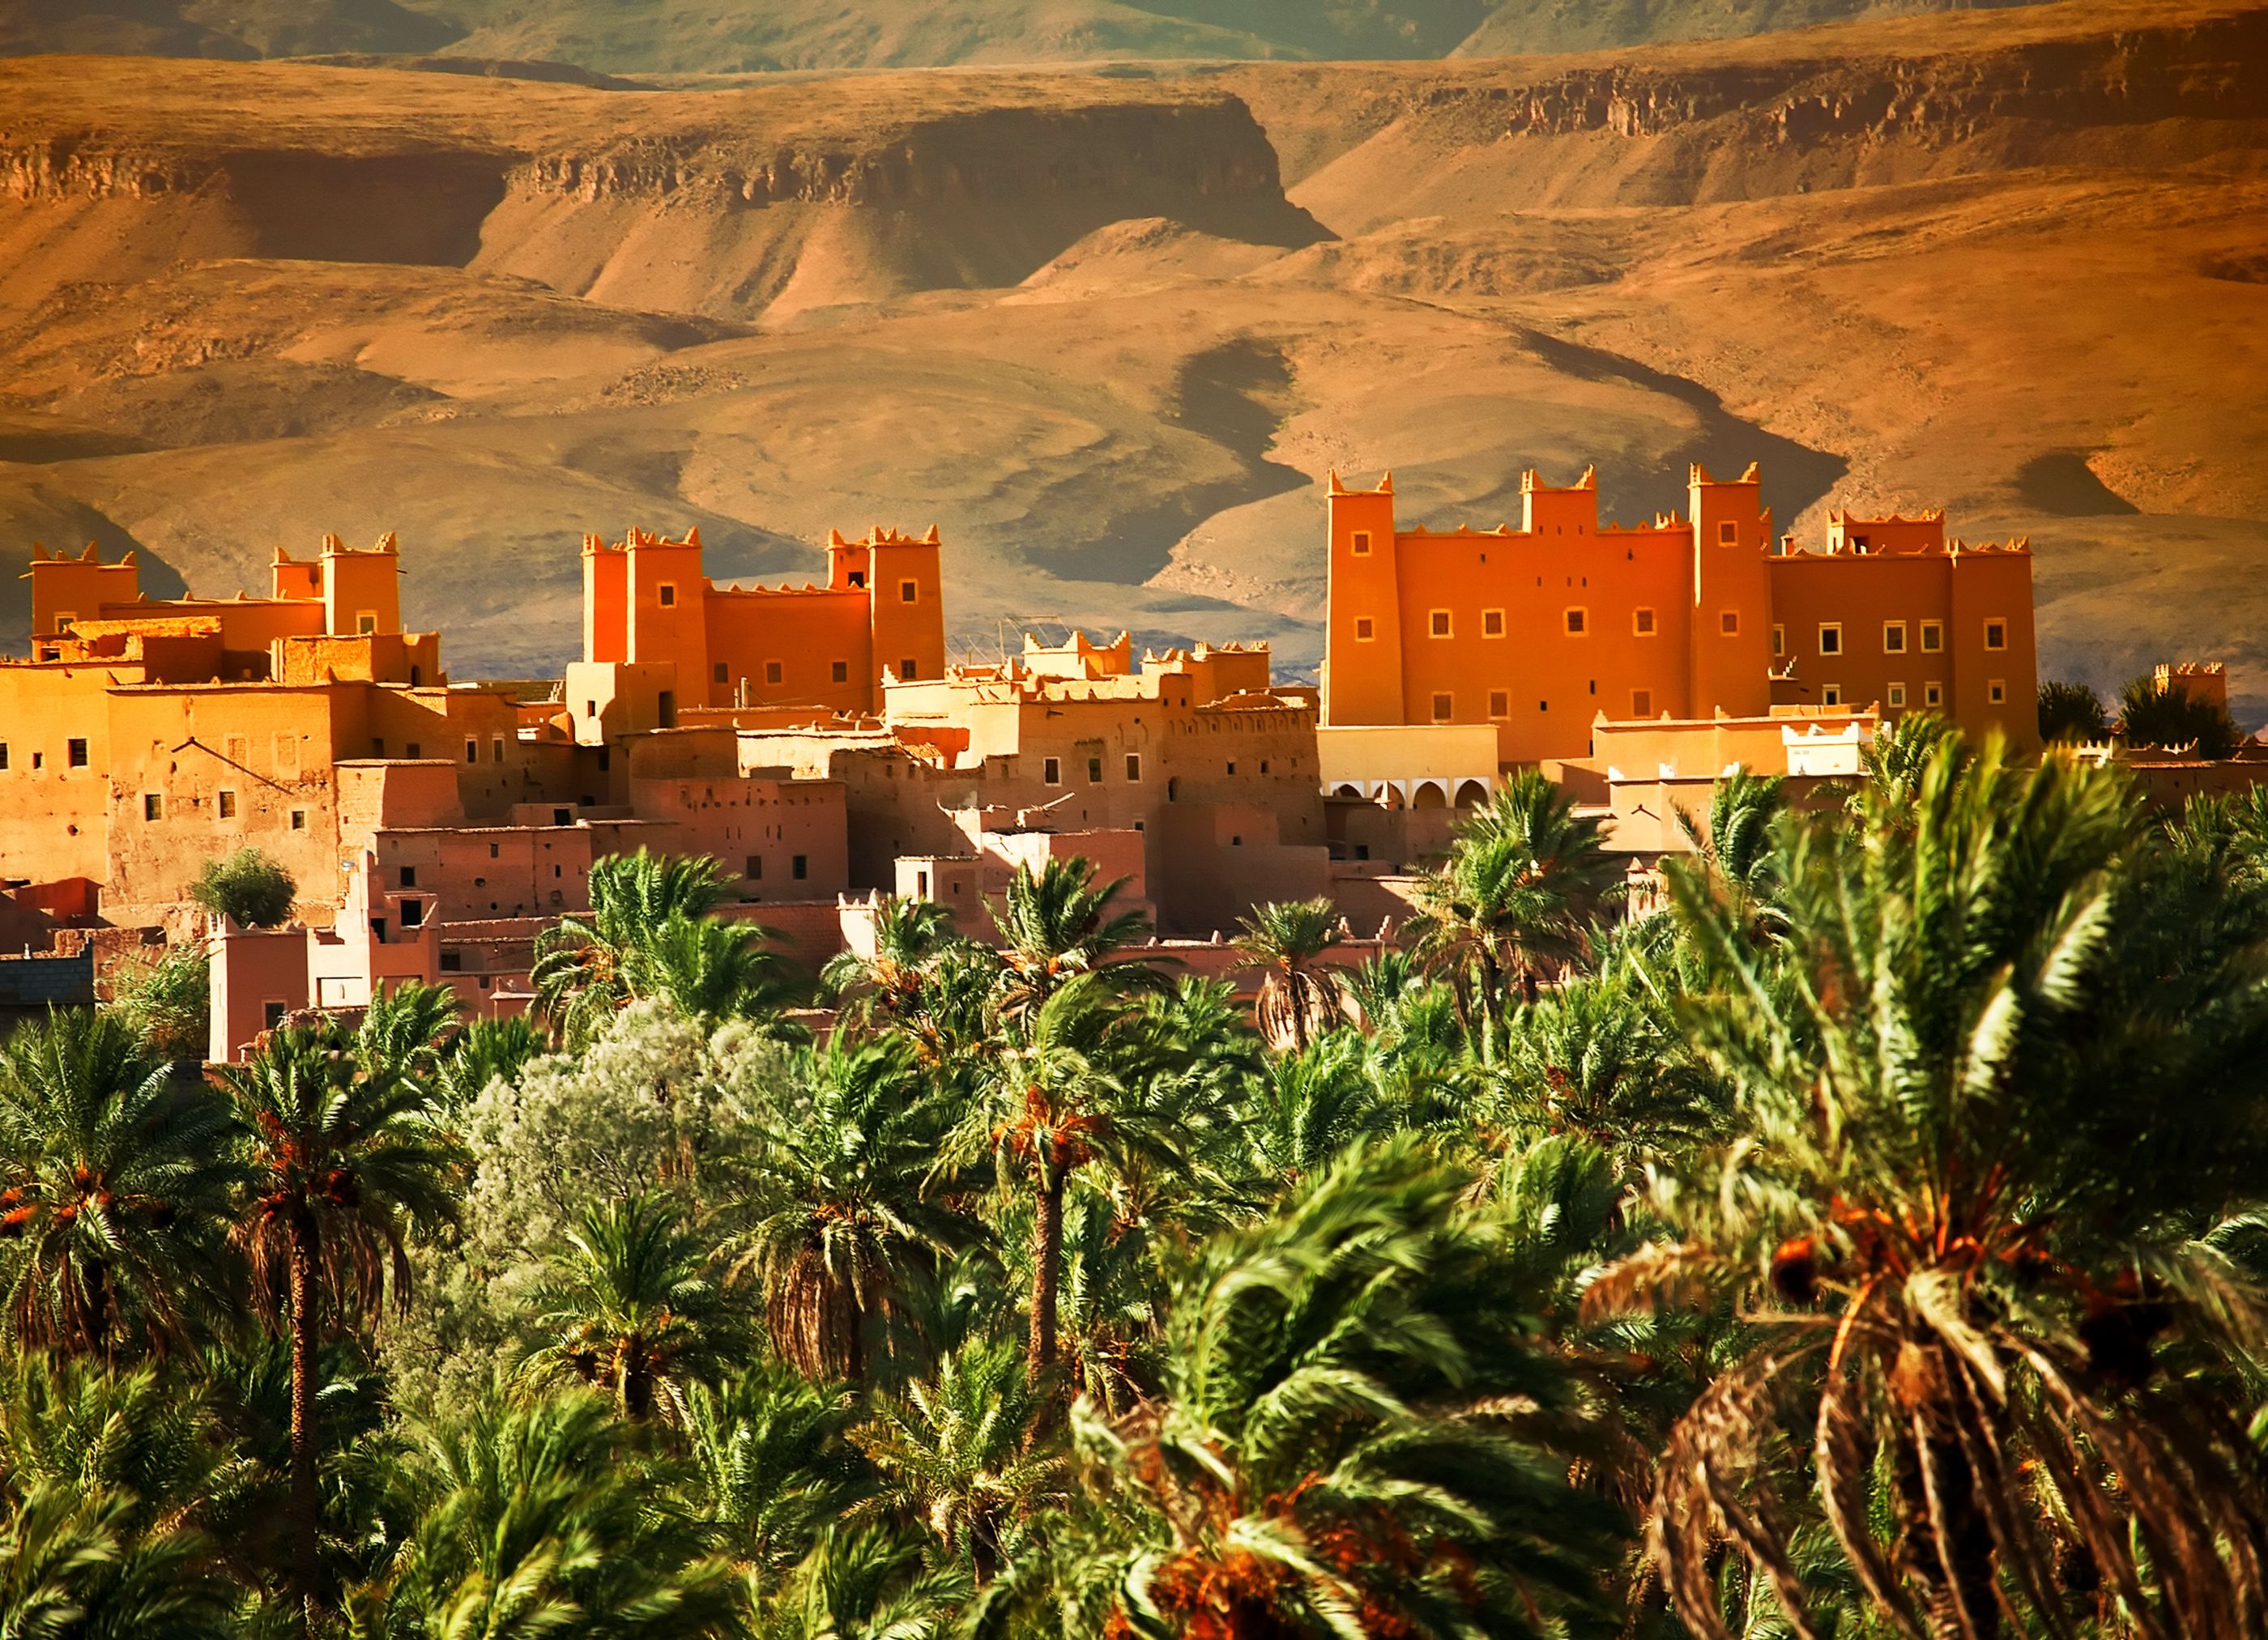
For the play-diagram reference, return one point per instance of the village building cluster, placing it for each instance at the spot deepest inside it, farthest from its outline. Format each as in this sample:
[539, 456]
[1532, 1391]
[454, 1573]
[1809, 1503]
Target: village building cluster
[817, 740]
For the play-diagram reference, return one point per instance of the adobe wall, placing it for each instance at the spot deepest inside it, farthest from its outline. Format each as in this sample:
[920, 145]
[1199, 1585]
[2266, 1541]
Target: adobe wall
[804, 637]
[763, 831]
[255, 976]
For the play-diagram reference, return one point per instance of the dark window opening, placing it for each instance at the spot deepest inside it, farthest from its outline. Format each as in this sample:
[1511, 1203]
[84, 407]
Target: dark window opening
[410, 877]
[453, 961]
[800, 867]
[75, 753]
[413, 913]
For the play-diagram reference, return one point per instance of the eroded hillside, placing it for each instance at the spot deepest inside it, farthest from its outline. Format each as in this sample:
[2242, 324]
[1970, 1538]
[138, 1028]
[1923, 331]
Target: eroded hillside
[2011, 261]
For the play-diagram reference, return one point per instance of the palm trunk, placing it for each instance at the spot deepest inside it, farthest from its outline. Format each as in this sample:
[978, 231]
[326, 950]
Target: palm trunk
[1296, 985]
[306, 1561]
[1047, 1256]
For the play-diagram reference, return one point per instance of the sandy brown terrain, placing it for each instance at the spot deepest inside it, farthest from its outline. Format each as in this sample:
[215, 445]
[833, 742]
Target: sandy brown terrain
[1109, 329]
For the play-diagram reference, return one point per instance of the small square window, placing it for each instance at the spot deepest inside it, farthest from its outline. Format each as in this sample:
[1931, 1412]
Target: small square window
[1444, 706]
[1898, 694]
[720, 672]
[1894, 637]
[227, 801]
[1232, 767]
[153, 806]
[4, 755]
[838, 672]
[1832, 695]
[453, 961]
[413, 750]
[1642, 622]
[272, 1014]
[1728, 623]
[298, 819]
[1438, 623]
[1779, 641]
[1996, 634]
[1492, 623]
[755, 871]
[669, 591]
[495, 748]
[1360, 544]
[410, 877]
[1578, 621]
[1499, 703]
[909, 592]
[1051, 772]
[366, 621]
[75, 753]
[1364, 629]
[413, 913]
[1932, 636]
[1933, 695]
[800, 867]
[1728, 534]
[774, 672]
[907, 670]
[496, 851]
[1641, 702]
[472, 751]
[1997, 691]
[1831, 638]
[1133, 766]
[1094, 771]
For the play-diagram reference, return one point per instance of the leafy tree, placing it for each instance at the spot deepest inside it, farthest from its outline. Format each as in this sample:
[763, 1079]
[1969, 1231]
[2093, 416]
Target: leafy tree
[1521, 887]
[775, 1467]
[1737, 845]
[114, 1191]
[167, 1001]
[2072, 711]
[542, 1520]
[963, 1454]
[1055, 924]
[1285, 940]
[845, 1219]
[910, 934]
[2175, 719]
[483, 1052]
[343, 1164]
[247, 887]
[587, 968]
[74, 1566]
[711, 971]
[2006, 1049]
[1355, 1434]
[632, 1310]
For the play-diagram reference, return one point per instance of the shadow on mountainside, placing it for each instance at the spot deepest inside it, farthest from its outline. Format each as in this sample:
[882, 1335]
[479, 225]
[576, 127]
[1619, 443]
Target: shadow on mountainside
[1237, 395]
[1794, 475]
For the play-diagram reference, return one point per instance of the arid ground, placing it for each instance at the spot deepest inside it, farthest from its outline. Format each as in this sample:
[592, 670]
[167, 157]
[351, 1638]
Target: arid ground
[1109, 326]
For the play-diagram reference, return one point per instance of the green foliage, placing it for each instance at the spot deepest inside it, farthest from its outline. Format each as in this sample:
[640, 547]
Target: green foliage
[248, 886]
[2175, 720]
[2072, 711]
[1870, 1243]
[166, 1001]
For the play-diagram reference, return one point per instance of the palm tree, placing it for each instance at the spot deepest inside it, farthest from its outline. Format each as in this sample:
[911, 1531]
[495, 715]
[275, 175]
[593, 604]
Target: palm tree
[483, 1051]
[75, 1565]
[710, 970]
[631, 1310]
[1286, 938]
[342, 1165]
[1524, 880]
[114, 1191]
[1354, 1435]
[1055, 924]
[584, 967]
[846, 1220]
[1600, 1058]
[963, 1455]
[1737, 845]
[1308, 1107]
[544, 1520]
[910, 934]
[1050, 1104]
[2007, 1056]
[775, 1469]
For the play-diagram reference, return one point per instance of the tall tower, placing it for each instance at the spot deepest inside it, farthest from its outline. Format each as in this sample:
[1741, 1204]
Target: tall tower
[362, 591]
[1730, 661]
[1362, 632]
[906, 603]
[667, 594]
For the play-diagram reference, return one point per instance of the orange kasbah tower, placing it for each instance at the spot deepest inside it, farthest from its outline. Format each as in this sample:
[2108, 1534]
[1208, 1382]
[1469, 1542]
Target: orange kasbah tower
[905, 600]
[1729, 661]
[299, 580]
[1362, 680]
[606, 600]
[362, 591]
[64, 590]
[667, 595]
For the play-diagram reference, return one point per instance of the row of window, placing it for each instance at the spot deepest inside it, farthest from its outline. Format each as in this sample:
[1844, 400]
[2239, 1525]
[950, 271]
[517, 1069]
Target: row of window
[153, 807]
[1728, 534]
[1575, 622]
[775, 672]
[1894, 637]
[74, 756]
[1499, 701]
[1051, 769]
